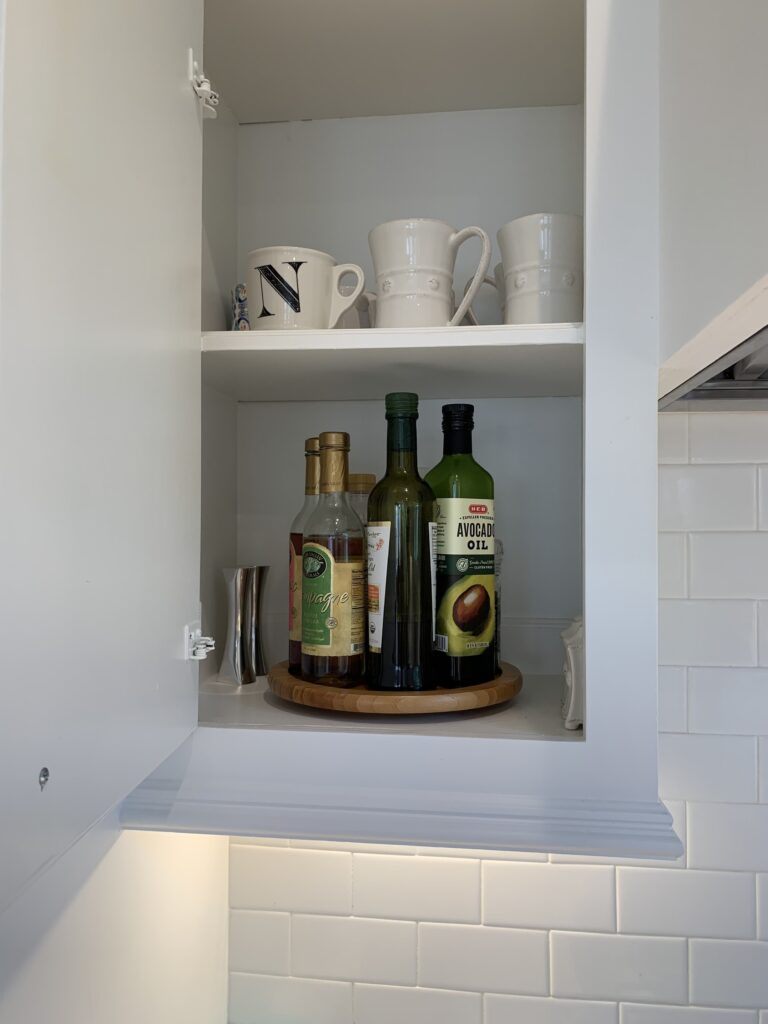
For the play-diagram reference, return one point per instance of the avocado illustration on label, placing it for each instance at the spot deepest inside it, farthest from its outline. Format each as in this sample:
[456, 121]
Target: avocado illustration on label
[467, 613]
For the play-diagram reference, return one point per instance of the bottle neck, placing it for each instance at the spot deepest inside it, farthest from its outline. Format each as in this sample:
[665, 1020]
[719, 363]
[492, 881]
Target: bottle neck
[334, 471]
[312, 474]
[457, 441]
[401, 444]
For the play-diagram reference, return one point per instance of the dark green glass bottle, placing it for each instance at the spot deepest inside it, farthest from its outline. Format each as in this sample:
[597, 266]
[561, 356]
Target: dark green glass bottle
[399, 539]
[466, 602]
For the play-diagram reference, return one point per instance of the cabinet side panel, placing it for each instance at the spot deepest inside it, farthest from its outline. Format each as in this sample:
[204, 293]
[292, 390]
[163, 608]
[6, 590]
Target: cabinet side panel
[99, 410]
[621, 321]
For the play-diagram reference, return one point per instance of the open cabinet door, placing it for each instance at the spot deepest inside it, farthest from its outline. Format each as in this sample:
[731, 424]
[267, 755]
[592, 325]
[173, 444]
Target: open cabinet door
[99, 410]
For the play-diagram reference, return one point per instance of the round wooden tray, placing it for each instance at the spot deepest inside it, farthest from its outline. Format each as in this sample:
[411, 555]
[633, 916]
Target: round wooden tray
[361, 700]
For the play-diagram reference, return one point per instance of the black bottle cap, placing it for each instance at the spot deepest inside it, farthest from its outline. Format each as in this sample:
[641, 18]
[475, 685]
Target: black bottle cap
[458, 416]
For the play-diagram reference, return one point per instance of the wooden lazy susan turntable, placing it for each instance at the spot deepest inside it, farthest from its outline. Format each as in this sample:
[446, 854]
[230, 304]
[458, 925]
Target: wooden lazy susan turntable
[361, 700]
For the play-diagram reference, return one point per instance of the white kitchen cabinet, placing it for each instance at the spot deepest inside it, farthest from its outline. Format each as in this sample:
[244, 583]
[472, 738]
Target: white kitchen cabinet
[101, 441]
[714, 217]
[573, 454]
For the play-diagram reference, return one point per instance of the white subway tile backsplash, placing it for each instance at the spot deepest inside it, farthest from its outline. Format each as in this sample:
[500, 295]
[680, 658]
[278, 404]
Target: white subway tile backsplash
[619, 967]
[730, 701]
[762, 498]
[673, 716]
[273, 878]
[548, 951]
[673, 437]
[421, 888]
[637, 1013]
[732, 974]
[716, 904]
[708, 767]
[729, 837]
[762, 907]
[729, 565]
[564, 896]
[482, 959]
[386, 1004]
[257, 999]
[259, 942]
[762, 633]
[707, 633]
[354, 949]
[530, 1010]
[707, 498]
[735, 437]
[673, 572]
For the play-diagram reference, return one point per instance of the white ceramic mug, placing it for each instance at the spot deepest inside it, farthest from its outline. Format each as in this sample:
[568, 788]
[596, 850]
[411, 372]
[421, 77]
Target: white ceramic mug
[543, 263]
[292, 288]
[414, 262]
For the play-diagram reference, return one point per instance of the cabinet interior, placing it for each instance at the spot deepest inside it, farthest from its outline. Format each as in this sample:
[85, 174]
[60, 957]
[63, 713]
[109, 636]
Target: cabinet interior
[323, 179]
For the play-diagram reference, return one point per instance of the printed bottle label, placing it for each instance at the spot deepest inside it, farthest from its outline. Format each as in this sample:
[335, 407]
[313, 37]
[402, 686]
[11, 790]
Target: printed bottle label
[294, 594]
[465, 600]
[333, 604]
[377, 540]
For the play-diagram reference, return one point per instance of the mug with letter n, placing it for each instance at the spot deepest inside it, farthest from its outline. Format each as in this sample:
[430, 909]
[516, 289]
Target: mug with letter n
[292, 288]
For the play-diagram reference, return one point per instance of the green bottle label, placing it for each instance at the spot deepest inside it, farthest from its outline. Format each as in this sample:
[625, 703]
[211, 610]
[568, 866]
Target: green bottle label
[466, 600]
[333, 604]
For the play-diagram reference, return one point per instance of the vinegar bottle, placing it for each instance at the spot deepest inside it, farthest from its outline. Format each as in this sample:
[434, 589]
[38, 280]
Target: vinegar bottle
[333, 576]
[311, 497]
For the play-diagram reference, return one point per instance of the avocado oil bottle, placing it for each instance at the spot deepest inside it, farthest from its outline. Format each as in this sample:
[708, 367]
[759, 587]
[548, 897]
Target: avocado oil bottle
[466, 602]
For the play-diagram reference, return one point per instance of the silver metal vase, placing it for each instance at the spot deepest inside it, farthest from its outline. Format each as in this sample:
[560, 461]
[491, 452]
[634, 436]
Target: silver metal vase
[243, 658]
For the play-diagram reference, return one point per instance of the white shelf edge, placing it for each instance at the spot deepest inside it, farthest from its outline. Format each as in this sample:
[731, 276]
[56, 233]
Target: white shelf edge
[493, 336]
[221, 782]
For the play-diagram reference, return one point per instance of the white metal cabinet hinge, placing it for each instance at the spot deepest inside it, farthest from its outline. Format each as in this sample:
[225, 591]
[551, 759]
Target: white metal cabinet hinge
[209, 98]
[196, 646]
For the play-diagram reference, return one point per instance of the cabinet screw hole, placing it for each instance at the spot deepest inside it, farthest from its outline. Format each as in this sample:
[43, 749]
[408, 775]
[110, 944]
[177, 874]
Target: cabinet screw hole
[43, 778]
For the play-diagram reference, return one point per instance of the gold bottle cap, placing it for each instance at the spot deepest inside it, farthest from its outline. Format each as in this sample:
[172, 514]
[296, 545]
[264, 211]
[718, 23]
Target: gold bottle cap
[361, 483]
[312, 446]
[335, 440]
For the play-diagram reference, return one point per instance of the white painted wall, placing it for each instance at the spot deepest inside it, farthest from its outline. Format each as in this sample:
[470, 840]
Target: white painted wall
[219, 218]
[532, 447]
[142, 936]
[325, 184]
[714, 152]
[348, 933]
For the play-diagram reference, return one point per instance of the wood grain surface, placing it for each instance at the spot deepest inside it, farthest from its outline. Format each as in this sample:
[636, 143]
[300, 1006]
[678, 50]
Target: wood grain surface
[360, 700]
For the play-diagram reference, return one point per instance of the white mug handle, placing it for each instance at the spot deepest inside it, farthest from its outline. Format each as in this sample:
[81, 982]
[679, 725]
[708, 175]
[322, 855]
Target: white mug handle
[341, 303]
[482, 267]
[370, 297]
[470, 312]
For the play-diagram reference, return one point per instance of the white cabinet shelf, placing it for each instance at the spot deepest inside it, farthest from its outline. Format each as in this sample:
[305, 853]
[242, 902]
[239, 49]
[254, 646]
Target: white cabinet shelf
[477, 362]
[533, 714]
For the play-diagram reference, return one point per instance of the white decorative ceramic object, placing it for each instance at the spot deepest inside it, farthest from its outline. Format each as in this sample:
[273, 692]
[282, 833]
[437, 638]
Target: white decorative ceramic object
[543, 261]
[572, 706]
[291, 288]
[414, 262]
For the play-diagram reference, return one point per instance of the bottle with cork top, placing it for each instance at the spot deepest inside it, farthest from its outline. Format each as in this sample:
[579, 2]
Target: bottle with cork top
[311, 498]
[333, 576]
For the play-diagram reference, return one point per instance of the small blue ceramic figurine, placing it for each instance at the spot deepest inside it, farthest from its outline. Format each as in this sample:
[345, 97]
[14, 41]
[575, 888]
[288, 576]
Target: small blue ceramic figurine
[240, 321]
